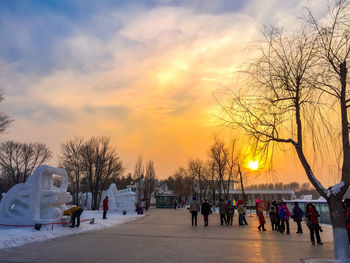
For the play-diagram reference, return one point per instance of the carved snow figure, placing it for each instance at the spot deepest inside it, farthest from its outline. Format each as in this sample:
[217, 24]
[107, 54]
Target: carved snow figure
[121, 200]
[37, 200]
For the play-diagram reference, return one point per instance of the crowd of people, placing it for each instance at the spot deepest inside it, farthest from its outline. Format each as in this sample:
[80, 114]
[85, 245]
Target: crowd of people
[278, 213]
[226, 211]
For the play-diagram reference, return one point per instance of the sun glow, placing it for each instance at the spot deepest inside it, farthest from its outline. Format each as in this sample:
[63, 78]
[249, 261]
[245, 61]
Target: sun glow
[165, 77]
[254, 165]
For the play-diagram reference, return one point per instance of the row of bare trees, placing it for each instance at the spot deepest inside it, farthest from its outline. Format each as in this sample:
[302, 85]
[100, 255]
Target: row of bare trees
[92, 165]
[94, 162]
[213, 176]
[18, 161]
[144, 178]
[297, 94]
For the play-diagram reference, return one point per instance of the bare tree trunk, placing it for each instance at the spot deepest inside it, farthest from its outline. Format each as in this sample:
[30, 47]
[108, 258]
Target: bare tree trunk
[213, 195]
[340, 233]
[241, 181]
[77, 193]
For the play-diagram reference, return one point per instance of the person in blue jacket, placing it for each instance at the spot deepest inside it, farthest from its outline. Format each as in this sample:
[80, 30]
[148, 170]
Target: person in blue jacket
[297, 216]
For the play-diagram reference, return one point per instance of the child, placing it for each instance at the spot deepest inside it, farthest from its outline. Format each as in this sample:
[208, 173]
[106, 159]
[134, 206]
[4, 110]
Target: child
[261, 220]
[273, 219]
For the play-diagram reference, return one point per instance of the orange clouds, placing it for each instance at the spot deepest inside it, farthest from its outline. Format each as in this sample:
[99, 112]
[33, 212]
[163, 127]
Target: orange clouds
[149, 85]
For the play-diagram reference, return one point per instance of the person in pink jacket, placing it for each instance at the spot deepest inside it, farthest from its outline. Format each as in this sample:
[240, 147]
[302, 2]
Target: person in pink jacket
[284, 215]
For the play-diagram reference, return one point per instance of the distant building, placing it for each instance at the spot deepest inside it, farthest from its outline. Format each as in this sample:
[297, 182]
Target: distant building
[263, 194]
[165, 200]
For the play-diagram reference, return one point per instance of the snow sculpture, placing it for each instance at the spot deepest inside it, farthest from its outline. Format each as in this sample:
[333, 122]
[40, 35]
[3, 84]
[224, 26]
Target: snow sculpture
[37, 200]
[121, 200]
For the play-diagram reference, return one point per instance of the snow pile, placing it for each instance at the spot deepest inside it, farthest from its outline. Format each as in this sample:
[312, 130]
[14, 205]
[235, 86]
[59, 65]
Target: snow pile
[14, 237]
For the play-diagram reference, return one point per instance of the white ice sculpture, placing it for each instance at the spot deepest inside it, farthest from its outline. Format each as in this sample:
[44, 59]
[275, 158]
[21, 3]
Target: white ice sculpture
[37, 200]
[121, 200]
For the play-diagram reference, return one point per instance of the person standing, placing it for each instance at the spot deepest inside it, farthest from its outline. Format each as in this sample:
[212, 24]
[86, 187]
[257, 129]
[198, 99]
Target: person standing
[244, 214]
[297, 216]
[277, 221]
[206, 210]
[272, 214]
[284, 215]
[175, 204]
[312, 215]
[222, 211]
[194, 209]
[105, 207]
[74, 214]
[240, 211]
[229, 212]
[261, 219]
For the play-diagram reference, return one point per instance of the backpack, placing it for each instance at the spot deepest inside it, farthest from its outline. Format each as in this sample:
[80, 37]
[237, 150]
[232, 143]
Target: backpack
[301, 212]
[282, 213]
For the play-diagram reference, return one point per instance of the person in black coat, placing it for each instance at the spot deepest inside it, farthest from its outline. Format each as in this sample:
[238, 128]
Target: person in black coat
[277, 219]
[205, 211]
[297, 216]
[273, 216]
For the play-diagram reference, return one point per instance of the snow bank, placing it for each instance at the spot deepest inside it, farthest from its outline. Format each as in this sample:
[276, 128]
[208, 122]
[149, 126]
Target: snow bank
[14, 237]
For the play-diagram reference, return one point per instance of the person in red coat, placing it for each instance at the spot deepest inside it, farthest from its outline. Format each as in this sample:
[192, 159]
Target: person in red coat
[105, 207]
[261, 220]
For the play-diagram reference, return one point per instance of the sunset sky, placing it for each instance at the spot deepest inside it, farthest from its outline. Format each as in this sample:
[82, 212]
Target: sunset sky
[143, 73]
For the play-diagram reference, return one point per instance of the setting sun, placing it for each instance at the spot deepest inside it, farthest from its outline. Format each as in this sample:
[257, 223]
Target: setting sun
[254, 165]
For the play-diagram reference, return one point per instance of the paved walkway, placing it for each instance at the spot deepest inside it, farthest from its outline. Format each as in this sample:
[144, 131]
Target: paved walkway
[167, 236]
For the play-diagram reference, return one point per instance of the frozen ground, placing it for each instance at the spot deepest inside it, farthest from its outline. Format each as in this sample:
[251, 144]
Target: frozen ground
[166, 235]
[19, 236]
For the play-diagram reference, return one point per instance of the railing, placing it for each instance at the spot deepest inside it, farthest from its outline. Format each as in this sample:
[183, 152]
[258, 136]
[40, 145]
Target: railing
[321, 207]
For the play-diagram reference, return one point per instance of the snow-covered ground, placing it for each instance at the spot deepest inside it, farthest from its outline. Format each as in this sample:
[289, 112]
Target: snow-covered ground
[14, 237]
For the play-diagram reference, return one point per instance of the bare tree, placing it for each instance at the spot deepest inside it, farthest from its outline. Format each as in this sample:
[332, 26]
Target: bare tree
[333, 40]
[138, 176]
[218, 155]
[18, 160]
[305, 186]
[236, 163]
[231, 167]
[71, 161]
[150, 180]
[181, 183]
[100, 165]
[212, 179]
[293, 87]
[4, 119]
[196, 169]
